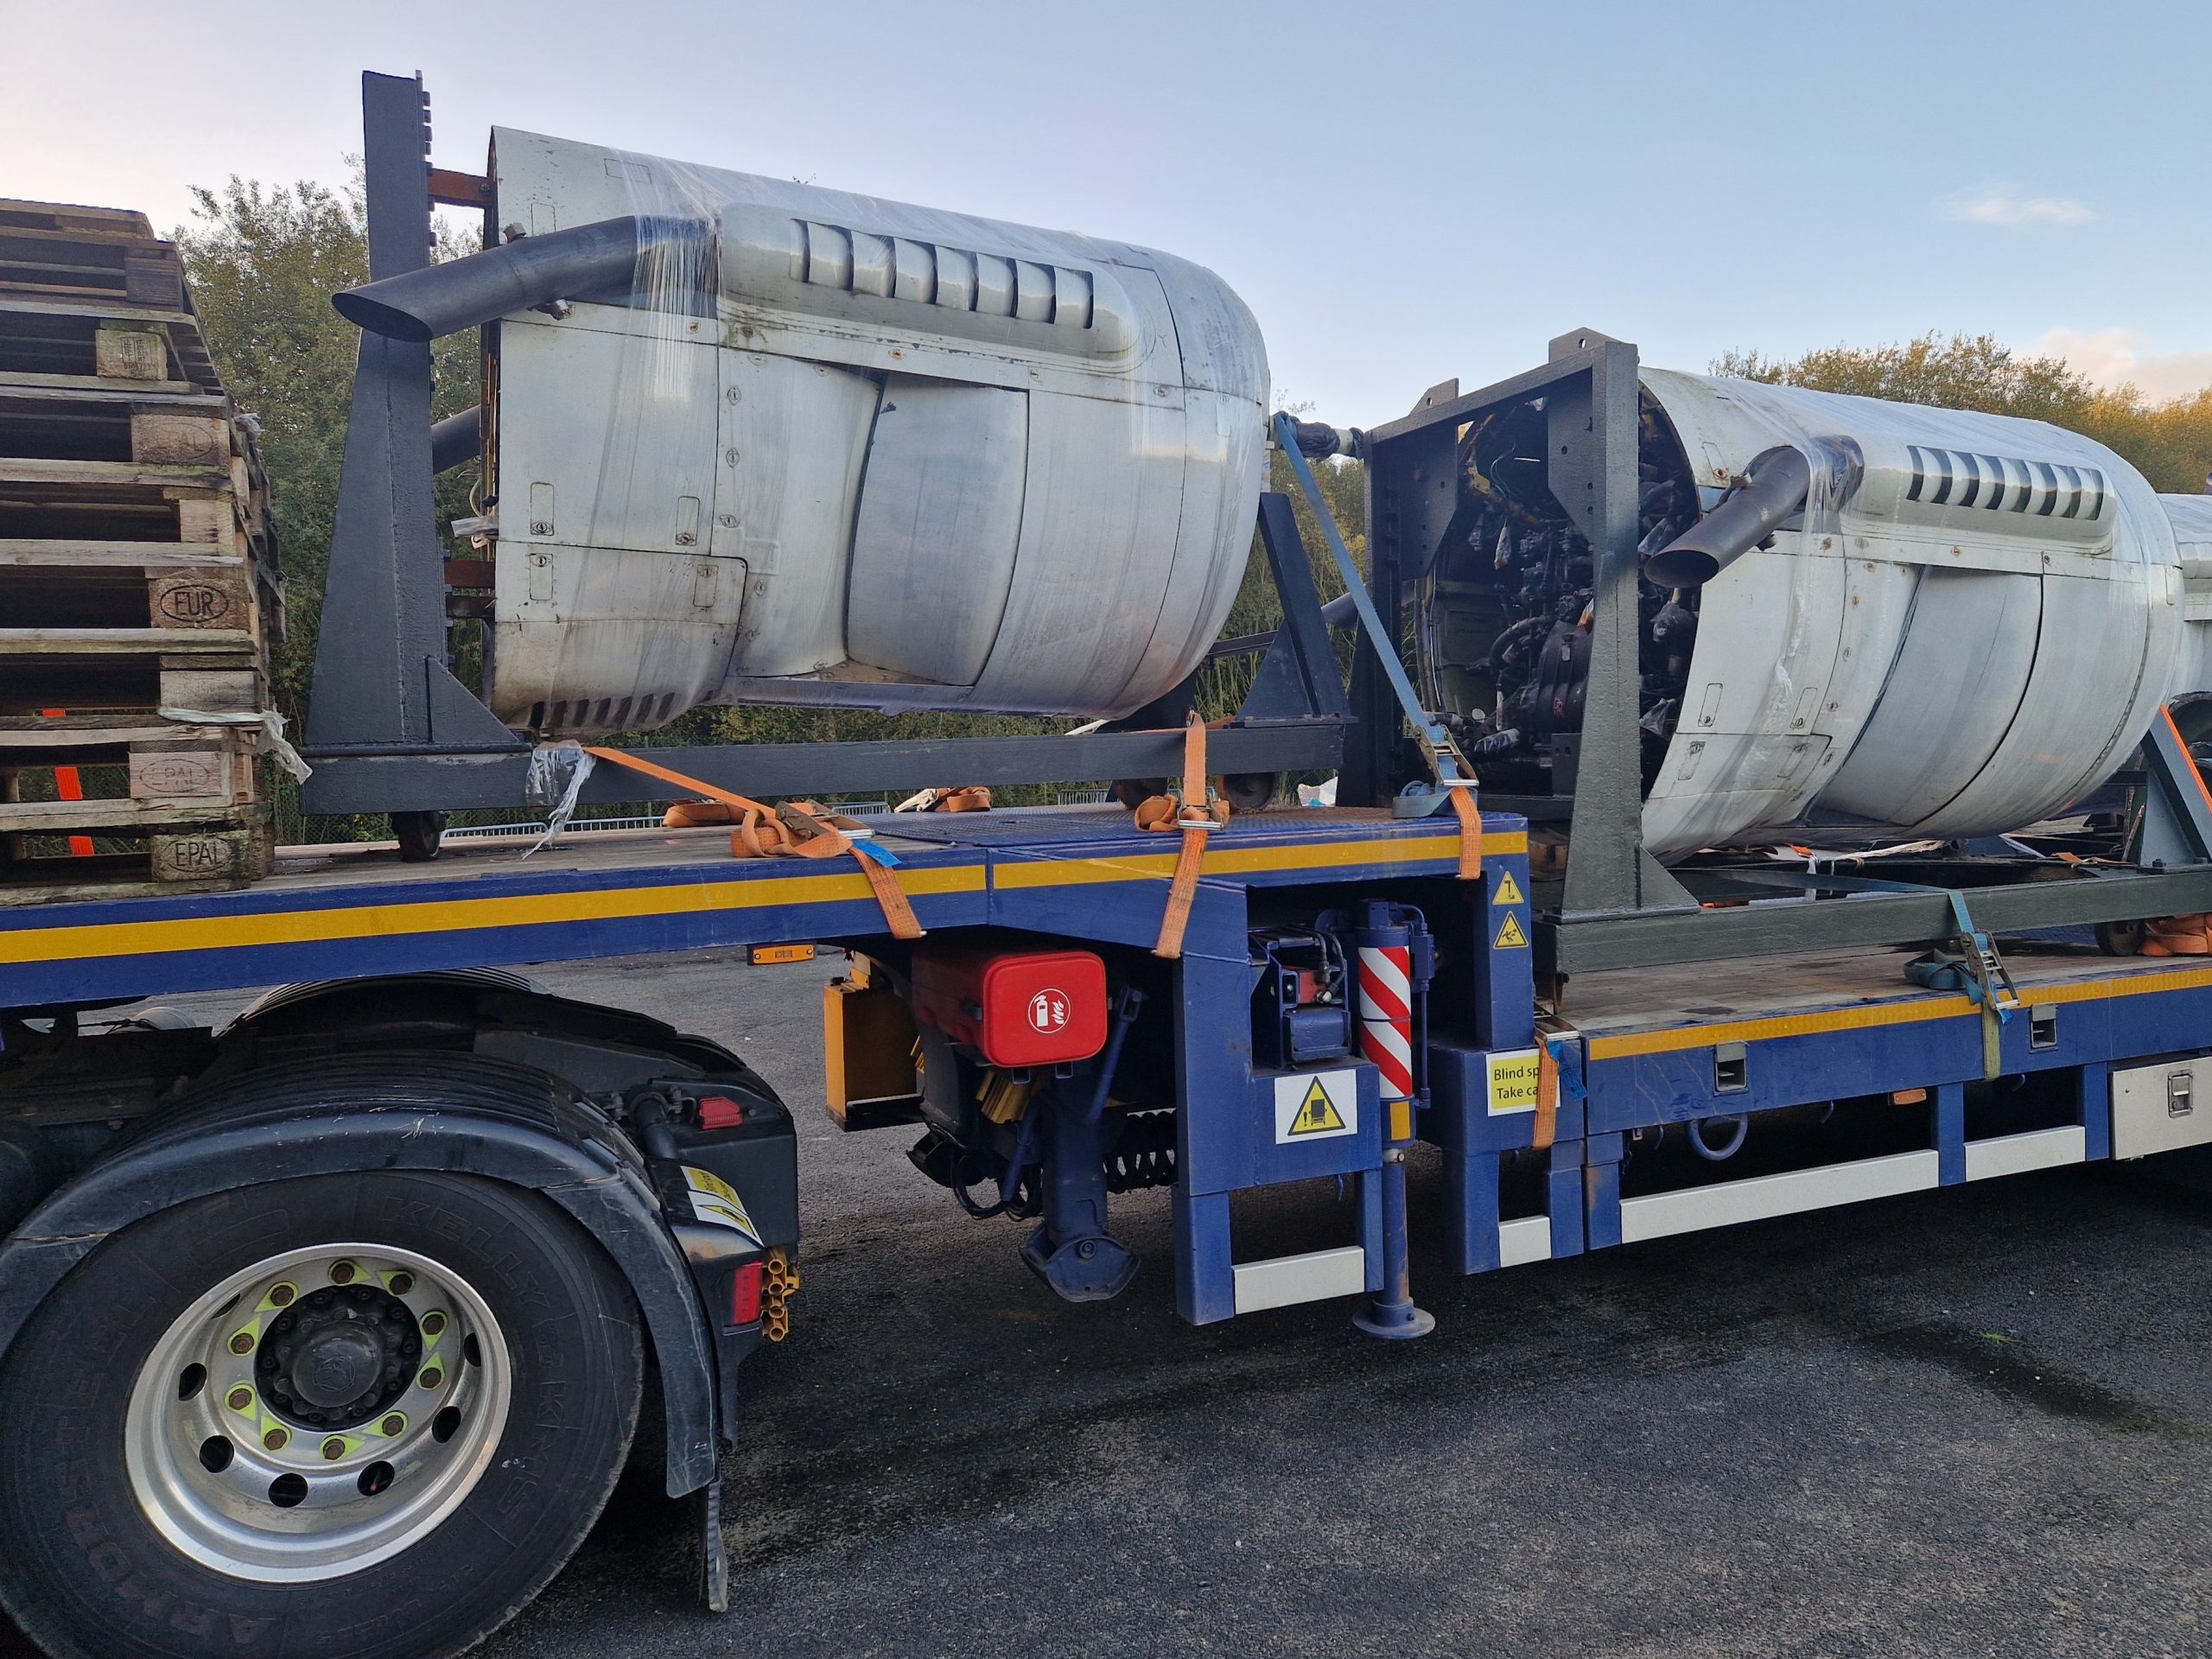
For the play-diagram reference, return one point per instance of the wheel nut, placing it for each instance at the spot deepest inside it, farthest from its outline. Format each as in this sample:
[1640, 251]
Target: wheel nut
[402, 1283]
[341, 1272]
[333, 1449]
[275, 1439]
[392, 1425]
[240, 1398]
[282, 1295]
[433, 1323]
[242, 1343]
[431, 1377]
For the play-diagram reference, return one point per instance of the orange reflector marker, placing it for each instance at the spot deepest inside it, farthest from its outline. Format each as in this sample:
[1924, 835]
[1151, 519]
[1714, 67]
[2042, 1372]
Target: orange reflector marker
[759, 954]
[69, 786]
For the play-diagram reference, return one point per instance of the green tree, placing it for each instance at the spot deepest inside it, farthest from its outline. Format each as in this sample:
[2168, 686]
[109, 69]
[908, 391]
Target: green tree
[2170, 443]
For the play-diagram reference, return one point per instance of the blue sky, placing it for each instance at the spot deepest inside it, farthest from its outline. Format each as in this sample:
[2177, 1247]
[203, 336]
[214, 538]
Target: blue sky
[1402, 192]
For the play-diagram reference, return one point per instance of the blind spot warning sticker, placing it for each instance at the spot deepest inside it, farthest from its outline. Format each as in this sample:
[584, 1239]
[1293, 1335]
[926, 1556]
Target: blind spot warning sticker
[1315, 1106]
[1513, 1077]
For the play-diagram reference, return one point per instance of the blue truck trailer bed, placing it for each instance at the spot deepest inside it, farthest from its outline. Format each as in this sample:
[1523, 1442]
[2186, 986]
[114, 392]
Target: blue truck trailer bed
[1643, 1063]
[341, 911]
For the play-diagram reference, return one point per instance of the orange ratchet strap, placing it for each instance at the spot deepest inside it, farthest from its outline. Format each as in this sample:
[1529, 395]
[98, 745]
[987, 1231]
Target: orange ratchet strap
[798, 829]
[1546, 1126]
[1470, 831]
[1194, 810]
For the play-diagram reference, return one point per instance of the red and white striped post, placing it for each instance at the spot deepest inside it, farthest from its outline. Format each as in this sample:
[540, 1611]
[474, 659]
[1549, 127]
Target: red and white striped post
[1386, 1018]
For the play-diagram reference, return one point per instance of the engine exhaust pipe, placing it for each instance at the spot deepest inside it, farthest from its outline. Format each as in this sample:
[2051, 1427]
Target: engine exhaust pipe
[457, 440]
[444, 299]
[1773, 486]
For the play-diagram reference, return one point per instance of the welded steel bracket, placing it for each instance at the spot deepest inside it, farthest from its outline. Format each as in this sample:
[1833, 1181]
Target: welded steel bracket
[382, 685]
[1590, 392]
[1299, 678]
[2177, 826]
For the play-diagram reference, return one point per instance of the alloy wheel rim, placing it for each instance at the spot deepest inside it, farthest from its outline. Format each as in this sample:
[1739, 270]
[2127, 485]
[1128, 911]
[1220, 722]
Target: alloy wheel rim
[318, 1412]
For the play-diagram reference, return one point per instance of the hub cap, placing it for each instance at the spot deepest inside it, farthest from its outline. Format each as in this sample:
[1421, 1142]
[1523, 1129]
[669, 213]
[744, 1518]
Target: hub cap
[317, 1412]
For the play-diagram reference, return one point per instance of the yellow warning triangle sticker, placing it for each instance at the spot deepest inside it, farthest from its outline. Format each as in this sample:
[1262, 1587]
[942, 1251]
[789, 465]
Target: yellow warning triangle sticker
[1509, 891]
[1316, 1114]
[1511, 937]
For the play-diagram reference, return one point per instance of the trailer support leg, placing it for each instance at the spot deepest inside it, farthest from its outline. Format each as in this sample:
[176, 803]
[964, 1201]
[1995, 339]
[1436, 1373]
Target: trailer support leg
[1071, 1251]
[1392, 1314]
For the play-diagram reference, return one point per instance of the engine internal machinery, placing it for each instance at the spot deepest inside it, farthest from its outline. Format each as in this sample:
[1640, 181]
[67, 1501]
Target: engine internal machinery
[1504, 614]
[1856, 618]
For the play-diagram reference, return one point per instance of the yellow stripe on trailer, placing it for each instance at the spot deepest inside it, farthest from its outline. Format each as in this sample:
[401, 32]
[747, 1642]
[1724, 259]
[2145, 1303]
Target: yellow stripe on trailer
[1912, 1011]
[1054, 871]
[457, 915]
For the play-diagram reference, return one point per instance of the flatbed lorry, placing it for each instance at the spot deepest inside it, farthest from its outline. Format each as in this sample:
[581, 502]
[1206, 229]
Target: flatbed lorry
[502, 1220]
[330, 1332]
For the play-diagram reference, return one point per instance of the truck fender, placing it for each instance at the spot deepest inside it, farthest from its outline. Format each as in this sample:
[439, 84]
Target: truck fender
[454, 1114]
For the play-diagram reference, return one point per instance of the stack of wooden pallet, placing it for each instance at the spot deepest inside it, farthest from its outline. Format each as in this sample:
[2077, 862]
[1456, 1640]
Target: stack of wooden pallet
[139, 590]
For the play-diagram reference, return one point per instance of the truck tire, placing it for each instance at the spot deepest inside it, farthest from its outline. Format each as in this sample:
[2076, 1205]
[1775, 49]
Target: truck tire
[362, 1417]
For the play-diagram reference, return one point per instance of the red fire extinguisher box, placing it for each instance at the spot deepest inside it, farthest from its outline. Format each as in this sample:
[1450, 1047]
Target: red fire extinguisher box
[1016, 1008]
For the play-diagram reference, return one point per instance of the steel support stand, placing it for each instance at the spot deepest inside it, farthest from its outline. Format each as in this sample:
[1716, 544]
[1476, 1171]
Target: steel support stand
[1391, 1314]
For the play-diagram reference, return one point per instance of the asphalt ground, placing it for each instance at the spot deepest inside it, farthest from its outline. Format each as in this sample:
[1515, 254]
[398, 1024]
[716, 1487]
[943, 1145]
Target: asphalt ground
[1973, 1423]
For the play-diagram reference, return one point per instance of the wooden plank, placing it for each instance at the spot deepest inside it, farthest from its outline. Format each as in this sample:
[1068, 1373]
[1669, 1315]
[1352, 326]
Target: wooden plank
[110, 238]
[111, 474]
[25, 305]
[242, 855]
[122, 876]
[67, 817]
[76, 219]
[214, 691]
[66, 552]
[137, 642]
[457, 189]
[78, 732]
[163, 437]
[22, 384]
[201, 598]
[130, 351]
